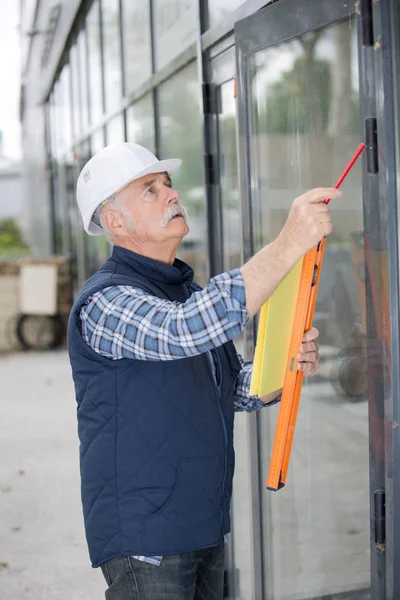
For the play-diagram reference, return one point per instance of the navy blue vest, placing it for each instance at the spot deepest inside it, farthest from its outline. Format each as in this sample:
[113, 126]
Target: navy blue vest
[156, 437]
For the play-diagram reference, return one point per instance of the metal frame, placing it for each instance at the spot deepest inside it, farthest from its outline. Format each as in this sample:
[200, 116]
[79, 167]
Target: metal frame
[385, 16]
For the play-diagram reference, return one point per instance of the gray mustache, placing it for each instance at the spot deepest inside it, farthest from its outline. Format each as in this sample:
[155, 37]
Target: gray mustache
[173, 211]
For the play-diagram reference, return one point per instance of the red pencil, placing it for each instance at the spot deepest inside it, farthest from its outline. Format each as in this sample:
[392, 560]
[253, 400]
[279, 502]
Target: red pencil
[347, 168]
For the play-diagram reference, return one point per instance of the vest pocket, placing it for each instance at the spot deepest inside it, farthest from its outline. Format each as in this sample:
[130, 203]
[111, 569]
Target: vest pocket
[191, 517]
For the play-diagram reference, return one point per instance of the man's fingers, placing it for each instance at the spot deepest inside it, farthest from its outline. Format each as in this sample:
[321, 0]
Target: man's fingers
[308, 357]
[308, 347]
[308, 368]
[320, 194]
[319, 208]
[310, 335]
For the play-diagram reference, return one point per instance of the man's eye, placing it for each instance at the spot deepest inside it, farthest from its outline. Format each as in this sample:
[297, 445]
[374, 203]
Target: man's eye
[151, 190]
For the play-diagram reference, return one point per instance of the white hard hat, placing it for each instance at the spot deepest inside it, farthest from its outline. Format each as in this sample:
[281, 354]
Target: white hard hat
[110, 170]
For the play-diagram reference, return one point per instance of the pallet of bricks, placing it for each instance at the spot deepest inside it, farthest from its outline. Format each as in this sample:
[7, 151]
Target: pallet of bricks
[10, 306]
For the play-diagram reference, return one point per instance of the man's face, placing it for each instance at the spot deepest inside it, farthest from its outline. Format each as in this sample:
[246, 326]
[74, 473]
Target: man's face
[152, 204]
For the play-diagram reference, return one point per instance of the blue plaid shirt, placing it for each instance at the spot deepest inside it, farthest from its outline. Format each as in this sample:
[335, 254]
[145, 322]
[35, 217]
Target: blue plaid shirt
[126, 322]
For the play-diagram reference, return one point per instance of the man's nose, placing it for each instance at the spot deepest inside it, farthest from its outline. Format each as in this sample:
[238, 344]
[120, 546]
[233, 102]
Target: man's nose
[172, 197]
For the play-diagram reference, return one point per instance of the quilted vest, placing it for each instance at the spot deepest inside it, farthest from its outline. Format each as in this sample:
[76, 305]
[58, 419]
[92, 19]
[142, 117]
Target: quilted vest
[156, 437]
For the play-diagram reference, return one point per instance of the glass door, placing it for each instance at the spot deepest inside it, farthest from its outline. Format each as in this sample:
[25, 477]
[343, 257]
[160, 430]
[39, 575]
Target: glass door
[299, 123]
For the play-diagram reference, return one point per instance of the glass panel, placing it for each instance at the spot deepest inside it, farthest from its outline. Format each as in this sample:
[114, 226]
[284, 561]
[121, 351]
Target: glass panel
[97, 247]
[316, 530]
[28, 8]
[229, 178]
[140, 123]
[97, 141]
[95, 68]
[175, 28]
[53, 125]
[112, 53]
[240, 585]
[64, 100]
[76, 96]
[137, 42]
[180, 137]
[83, 79]
[219, 9]
[115, 130]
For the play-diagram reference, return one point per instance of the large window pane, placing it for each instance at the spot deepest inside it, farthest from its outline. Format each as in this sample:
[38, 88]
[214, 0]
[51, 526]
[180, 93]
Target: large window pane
[180, 137]
[65, 115]
[97, 142]
[140, 123]
[97, 247]
[76, 92]
[175, 25]
[137, 42]
[115, 130]
[83, 78]
[316, 530]
[112, 53]
[95, 71]
[231, 226]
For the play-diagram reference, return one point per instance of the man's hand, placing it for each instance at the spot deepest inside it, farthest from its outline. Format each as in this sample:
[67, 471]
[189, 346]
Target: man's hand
[309, 352]
[309, 221]
[308, 359]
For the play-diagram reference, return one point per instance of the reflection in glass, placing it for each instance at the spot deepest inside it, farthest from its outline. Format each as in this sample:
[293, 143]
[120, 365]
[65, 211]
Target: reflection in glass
[95, 68]
[316, 530]
[115, 130]
[140, 123]
[137, 42]
[112, 53]
[175, 28]
[180, 137]
[219, 9]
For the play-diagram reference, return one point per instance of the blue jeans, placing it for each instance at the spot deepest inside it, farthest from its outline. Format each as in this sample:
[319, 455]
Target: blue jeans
[195, 575]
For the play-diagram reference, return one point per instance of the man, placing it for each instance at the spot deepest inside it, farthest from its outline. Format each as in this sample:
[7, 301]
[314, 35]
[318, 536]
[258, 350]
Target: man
[157, 378]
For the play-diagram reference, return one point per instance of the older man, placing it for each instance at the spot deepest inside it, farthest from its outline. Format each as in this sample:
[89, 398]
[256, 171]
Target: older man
[157, 378]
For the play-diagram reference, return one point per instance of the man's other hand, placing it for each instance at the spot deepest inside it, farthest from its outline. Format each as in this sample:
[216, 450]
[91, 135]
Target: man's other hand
[309, 352]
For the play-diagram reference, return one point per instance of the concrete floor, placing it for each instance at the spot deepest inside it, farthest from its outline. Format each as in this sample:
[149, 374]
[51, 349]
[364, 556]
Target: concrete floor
[43, 553]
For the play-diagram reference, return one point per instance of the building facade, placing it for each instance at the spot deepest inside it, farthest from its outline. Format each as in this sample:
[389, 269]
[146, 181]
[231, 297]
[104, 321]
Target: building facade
[262, 101]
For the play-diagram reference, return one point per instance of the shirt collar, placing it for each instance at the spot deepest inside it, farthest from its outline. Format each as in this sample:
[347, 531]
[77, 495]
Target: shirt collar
[178, 273]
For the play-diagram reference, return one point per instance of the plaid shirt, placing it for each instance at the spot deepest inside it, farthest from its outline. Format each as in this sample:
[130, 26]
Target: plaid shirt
[125, 322]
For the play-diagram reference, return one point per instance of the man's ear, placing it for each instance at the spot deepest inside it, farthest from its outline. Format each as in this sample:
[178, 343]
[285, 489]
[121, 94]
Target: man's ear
[114, 222]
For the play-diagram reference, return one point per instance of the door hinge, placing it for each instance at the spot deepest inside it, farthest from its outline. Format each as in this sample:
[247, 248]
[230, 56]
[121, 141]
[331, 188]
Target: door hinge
[371, 142]
[367, 25]
[379, 517]
[211, 169]
[208, 91]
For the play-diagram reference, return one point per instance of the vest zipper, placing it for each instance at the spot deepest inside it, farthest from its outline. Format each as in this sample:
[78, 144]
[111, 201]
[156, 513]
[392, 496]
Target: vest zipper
[218, 385]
